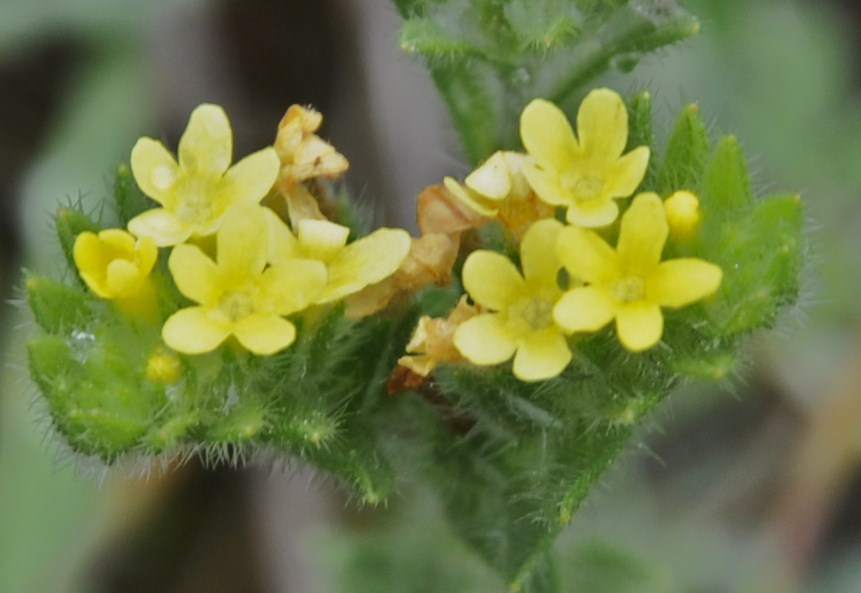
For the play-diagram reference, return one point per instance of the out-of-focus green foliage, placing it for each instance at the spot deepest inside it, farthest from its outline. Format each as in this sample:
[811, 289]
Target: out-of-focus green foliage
[490, 58]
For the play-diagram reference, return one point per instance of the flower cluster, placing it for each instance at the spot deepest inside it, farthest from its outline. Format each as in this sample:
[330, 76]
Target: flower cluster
[570, 279]
[242, 268]
[250, 245]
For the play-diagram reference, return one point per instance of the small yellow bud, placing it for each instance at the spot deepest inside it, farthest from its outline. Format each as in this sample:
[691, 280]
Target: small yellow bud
[683, 214]
[163, 367]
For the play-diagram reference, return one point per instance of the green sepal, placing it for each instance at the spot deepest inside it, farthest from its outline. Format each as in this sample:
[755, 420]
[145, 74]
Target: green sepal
[356, 458]
[242, 422]
[93, 405]
[760, 254]
[687, 152]
[641, 132]
[726, 187]
[129, 199]
[170, 434]
[56, 307]
[716, 365]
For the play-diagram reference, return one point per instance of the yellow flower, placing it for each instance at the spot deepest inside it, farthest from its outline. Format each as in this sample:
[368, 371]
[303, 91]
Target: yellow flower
[582, 173]
[350, 268]
[238, 294]
[197, 191]
[113, 263]
[303, 154]
[499, 189]
[629, 284]
[520, 322]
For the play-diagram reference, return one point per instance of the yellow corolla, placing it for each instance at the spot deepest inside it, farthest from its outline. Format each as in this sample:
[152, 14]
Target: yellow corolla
[683, 214]
[498, 179]
[350, 267]
[498, 189]
[629, 284]
[113, 264]
[519, 308]
[197, 191]
[238, 295]
[587, 172]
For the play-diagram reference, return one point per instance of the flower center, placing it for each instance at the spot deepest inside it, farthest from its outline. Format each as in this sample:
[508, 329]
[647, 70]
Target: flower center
[196, 208]
[586, 188]
[628, 289]
[535, 312]
[236, 304]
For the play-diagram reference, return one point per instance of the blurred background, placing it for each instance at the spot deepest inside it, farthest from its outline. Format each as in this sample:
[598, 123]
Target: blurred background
[752, 486]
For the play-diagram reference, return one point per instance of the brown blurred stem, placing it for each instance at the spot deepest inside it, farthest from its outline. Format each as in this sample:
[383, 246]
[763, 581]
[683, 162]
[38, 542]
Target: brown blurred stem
[827, 457]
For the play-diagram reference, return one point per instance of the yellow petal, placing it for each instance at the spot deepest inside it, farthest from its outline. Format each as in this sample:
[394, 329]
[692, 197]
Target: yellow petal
[264, 334]
[283, 245]
[147, 254]
[538, 253]
[366, 261]
[679, 282]
[547, 186]
[602, 125]
[483, 340]
[321, 239]
[492, 280]
[587, 256]
[625, 174]
[592, 213]
[492, 179]
[547, 135]
[96, 283]
[90, 254]
[206, 146]
[243, 241]
[468, 197]
[249, 180]
[195, 274]
[193, 331]
[163, 227]
[118, 242]
[642, 235]
[639, 325]
[154, 169]
[542, 355]
[122, 278]
[584, 309]
[291, 286]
